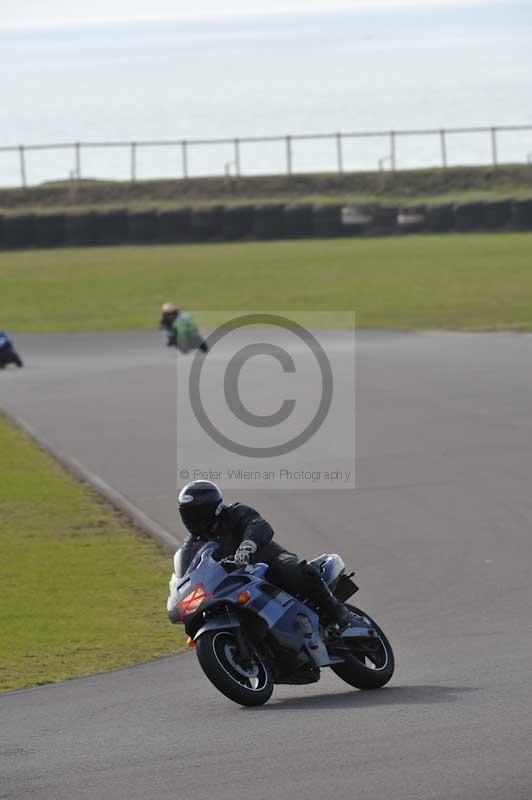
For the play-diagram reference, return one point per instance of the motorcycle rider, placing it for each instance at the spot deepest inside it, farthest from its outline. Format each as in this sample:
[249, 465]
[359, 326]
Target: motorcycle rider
[8, 354]
[169, 314]
[245, 536]
[181, 328]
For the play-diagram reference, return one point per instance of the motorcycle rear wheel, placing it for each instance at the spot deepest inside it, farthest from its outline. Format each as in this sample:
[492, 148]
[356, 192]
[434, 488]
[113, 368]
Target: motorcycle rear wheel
[369, 669]
[250, 685]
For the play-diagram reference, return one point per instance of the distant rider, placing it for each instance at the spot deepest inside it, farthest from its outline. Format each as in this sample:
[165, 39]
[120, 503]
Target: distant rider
[182, 331]
[8, 354]
[245, 536]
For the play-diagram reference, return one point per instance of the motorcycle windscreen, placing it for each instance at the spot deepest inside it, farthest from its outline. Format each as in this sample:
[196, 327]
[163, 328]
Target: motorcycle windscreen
[187, 558]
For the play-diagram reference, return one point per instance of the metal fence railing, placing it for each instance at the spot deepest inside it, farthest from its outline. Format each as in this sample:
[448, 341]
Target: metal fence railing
[288, 143]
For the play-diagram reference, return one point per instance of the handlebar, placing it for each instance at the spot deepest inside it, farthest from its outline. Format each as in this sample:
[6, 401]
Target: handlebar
[230, 564]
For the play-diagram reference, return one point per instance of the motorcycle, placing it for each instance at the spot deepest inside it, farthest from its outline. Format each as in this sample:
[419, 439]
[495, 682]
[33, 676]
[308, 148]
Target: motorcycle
[249, 634]
[8, 354]
[183, 333]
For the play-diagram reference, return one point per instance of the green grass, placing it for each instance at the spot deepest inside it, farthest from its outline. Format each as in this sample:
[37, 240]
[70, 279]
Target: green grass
[465, 196]
[477, 281]
[417, 186]
[82, 592]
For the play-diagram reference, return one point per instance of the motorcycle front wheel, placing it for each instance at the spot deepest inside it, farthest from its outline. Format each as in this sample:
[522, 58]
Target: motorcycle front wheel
[249, 684]
[370, 663]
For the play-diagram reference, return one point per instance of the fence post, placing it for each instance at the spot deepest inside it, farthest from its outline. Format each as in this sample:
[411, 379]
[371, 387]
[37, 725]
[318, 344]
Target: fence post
[443, 149]
[393, 151]
[184, 158]
[22, 159]
[288, 155]
[494, 146]
[237, 157]
[133, 162]
[78, 160]
[339, 154]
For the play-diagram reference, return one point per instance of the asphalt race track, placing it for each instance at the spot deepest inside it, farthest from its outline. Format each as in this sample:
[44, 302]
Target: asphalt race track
[439, 531]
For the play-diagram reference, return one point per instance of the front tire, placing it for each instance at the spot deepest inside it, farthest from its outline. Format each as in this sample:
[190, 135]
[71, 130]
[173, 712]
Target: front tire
[250, 685]
[368, 668]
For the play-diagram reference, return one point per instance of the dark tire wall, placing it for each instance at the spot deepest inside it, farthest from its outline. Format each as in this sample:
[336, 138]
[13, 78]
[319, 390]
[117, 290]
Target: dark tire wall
[497, 215]
[81, 230]
[237, 223]
[112, 227]
[327, 221]
[19, 232]
[440, 218]
[268, 222]
[173, 226]
[206, 224]
[522, 215]
[260, 222]
[469, 216]
[142, 227]
[50, 230]
[299, 222]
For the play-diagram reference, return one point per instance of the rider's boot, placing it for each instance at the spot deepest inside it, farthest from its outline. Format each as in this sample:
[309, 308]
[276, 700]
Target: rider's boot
[332, 609]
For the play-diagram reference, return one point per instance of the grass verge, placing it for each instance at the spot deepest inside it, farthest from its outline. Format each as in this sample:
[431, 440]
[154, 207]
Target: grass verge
[82, 591]
[473, 281]
[419, 186]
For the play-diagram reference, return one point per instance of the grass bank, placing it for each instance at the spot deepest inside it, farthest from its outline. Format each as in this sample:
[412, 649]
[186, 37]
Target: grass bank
[82, 592]
[456, 184]
[467, 281]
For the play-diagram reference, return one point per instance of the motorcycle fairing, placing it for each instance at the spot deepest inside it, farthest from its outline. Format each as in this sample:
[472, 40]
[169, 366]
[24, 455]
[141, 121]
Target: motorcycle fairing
[222, 622]
[280, 611]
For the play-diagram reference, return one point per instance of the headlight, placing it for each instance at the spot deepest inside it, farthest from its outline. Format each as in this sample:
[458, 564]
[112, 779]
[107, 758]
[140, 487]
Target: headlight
[190, 603]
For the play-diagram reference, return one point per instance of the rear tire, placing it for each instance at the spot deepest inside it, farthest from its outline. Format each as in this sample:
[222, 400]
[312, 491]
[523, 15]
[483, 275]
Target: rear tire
[218, 656]
[373, 669]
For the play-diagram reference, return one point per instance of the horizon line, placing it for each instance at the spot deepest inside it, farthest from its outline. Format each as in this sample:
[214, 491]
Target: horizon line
[241, 14]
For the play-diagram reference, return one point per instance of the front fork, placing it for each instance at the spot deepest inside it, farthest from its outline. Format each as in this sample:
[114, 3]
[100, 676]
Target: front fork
[245, 654]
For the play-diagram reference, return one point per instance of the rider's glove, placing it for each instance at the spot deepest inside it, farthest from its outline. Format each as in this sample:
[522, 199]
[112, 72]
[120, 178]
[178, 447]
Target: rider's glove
[244, 552]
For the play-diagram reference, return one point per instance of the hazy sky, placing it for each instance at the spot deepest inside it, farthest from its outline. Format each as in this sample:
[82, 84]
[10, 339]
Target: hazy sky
[37, 12]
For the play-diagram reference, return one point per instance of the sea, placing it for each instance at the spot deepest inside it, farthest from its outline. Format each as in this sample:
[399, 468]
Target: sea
[370, 70]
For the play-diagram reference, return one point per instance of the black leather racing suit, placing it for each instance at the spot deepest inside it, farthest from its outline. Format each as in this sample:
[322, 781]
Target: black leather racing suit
[237, 523]
[166, 323]
[8, 354]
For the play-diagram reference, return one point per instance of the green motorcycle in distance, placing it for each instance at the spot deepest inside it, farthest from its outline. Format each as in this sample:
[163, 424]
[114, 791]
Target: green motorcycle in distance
[181, 330]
